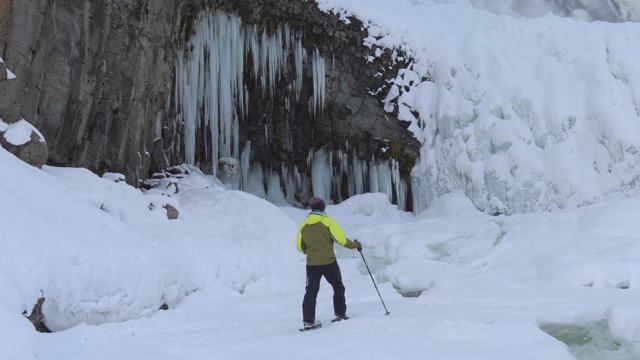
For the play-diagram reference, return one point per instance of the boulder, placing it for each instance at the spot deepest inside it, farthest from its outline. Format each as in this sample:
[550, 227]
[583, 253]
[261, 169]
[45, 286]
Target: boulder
[172, 213]
[25, 142]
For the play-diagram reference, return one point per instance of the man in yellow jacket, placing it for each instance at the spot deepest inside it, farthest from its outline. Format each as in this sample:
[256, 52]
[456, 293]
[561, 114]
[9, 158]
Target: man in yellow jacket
[315, 238]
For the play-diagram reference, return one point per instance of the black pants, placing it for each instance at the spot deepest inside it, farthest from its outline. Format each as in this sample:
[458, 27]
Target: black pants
[331, 272]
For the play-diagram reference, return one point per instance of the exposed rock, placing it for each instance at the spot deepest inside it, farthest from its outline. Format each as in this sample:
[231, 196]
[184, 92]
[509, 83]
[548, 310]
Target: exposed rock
[142, 167]
[172, 213]
[37, 317]
[33, 151]
[9, 108]
[158, 159]
[92, 76]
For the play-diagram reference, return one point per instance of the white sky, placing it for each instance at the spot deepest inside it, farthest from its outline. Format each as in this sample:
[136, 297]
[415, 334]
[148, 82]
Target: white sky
[234, 282]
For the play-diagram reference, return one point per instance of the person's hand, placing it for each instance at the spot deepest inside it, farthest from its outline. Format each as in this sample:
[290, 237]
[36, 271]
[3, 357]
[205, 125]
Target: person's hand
[357, 245]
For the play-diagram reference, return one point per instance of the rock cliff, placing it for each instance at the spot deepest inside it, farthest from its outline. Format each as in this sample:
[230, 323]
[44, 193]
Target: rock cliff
[91, 75]
[98, 79]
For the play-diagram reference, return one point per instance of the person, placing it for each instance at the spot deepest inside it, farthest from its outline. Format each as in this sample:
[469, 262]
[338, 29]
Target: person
[315, 238]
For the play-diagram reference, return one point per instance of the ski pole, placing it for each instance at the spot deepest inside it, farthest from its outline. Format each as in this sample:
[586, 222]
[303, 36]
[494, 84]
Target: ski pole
[374, 282]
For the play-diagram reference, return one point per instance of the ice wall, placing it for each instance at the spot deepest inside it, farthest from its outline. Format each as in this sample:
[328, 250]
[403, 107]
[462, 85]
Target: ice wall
[210, 84]
[211, 94]
[520, 115]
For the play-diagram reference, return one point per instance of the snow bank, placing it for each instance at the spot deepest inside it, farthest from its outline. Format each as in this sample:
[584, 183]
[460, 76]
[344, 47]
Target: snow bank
[609, 255]
[108, 257]
[624, 323]
[367, 208]
[596, 246]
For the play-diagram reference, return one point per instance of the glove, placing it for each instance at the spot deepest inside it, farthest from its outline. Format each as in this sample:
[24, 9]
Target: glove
[357, 245]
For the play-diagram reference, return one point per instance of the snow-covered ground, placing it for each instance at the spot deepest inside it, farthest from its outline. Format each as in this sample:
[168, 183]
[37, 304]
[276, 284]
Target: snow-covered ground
[458, 282]
[474, 286]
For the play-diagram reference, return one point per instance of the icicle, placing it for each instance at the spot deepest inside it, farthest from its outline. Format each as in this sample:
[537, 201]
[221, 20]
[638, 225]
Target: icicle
[209, 79]
[246, 100]
[373, 177]
[295, 186]
[210, 91]
[422, 184]
[303, 185]
[360, 171]
[255, 181]
[396, 181]
[209, 82]
[213, 98]
[310, 158]
[254, 48]
[274, 190]
[318, 82]
[245, 160]
[289, 185]
[402, 195]
[384, 179]
[321, 174]
[342, 171]
[300, 57]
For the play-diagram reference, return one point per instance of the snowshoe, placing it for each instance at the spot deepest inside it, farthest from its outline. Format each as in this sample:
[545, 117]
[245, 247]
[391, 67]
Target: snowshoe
[340, 318]
[311, 326]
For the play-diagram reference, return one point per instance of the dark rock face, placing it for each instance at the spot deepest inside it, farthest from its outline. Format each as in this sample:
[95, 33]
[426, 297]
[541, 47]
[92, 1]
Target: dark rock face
[9, 108]
[92, 76]
[95, 77]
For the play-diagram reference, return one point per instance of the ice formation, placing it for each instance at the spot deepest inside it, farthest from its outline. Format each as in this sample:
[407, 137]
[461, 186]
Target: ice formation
[210, 93]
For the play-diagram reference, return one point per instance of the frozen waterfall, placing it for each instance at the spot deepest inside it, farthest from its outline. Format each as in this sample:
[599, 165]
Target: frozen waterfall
[212, 100]
[210, 79]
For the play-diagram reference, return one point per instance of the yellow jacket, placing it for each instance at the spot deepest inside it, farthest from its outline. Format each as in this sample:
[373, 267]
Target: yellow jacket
[315, 238]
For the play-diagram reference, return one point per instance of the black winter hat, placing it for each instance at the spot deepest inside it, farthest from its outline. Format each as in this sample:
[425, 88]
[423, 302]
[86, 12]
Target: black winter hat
[317, 203]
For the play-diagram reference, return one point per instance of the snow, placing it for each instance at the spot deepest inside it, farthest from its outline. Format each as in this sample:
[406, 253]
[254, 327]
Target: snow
[19, 133]
[461, 281]
[475, 286]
